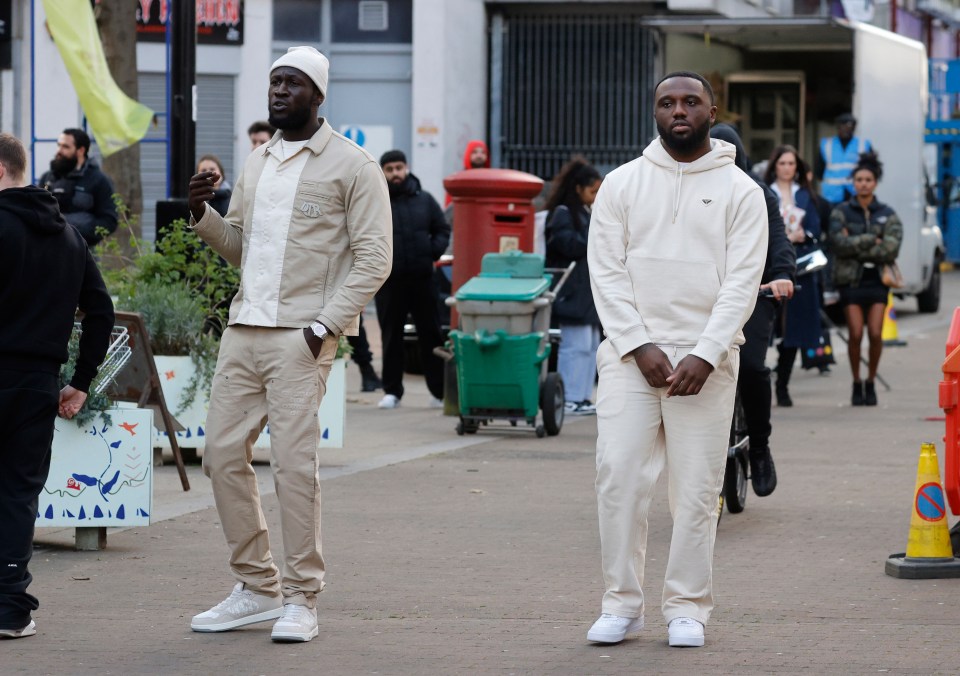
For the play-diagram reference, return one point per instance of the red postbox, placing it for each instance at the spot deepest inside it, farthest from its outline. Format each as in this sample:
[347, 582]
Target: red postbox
[492, 212]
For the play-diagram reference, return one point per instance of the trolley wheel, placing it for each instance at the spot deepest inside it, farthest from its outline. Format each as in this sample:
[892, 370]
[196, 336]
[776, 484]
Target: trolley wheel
[735, 482]
[471, 426]
[460, 428]
[541, 433]
[552, 403]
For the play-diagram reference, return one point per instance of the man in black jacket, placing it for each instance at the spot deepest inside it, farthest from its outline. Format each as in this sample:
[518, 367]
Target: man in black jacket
[85, 193]
[46, 273]
[754, 381]
[420, 236]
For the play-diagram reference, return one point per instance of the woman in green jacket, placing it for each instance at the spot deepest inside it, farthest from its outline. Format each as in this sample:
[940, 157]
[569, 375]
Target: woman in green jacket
[865, 234]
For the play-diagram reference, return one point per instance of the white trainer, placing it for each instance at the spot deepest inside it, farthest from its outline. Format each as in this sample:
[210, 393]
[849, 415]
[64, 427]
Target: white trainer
[613, 628]
[685, 632]
[389, 401]
[241, 608]
[435, 403]
[29, 630]
[298, 623]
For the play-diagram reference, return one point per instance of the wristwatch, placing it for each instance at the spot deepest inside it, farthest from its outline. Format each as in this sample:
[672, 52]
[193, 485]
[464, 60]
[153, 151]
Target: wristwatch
[319, 330]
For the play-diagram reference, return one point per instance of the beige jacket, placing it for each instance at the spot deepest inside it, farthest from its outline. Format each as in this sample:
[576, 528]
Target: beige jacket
[340, 243]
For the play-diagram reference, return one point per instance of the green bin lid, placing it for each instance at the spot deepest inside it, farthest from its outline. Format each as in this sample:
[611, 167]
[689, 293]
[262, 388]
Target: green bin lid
[512, 264]
[502, 288]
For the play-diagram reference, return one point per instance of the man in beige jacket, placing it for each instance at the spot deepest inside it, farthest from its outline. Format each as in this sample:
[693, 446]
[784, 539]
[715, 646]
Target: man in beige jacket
[309, 225]
[678, 241]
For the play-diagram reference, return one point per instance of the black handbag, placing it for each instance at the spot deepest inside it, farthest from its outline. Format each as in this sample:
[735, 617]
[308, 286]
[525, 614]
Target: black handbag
[821, 354]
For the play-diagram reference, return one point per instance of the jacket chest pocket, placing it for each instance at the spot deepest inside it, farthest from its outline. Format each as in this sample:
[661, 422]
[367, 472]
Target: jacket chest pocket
[315, 200]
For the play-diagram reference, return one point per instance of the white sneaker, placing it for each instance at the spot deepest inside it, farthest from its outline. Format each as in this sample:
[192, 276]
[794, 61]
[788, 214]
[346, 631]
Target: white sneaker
[435, 403]
[685, 632]
[298, 623]
[389, 401]
[241, 608]
[29, 630]
[613, 628]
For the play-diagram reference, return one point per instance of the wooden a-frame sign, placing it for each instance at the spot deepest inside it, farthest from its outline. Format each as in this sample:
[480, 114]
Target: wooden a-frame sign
[138, 382]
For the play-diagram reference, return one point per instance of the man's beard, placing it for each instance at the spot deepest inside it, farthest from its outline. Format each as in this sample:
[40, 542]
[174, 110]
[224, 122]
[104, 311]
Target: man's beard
[61, 166]
[687, 144]
[478, 164]
[292, 119]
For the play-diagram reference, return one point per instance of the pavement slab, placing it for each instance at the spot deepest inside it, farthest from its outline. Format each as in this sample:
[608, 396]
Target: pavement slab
[480, 555]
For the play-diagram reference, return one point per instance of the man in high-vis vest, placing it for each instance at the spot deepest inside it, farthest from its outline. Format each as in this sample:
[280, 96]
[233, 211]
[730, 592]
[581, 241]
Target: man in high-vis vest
[838, 156]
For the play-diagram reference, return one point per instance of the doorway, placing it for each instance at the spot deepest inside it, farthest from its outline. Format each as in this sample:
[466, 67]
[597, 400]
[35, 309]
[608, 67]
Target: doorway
[770, 110]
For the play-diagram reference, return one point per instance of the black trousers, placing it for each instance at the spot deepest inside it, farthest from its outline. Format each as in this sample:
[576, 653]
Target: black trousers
[361, 355]
[28, 408]
[754, 382]
[397, 298]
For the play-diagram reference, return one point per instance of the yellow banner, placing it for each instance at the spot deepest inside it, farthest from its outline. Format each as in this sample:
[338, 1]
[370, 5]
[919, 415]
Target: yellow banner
[116, 120]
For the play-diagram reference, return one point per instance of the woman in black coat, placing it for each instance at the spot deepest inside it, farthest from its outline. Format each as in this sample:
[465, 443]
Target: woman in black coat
[568, 222]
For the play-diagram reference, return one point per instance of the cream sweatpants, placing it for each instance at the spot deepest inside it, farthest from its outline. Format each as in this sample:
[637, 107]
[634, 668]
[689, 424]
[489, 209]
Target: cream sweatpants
[269, 374]
[639, 431]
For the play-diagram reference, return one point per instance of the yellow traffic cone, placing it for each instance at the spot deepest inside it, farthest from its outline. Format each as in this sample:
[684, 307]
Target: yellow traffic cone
[929, 552]
[889, 332]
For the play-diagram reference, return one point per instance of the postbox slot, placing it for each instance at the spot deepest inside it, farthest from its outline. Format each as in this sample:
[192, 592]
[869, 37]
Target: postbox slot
[508, 218]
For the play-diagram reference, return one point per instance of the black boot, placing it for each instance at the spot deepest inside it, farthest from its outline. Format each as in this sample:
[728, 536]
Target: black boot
[869, 394]
[369, 380]
[784, 369]
[856, 398]
[763, 473]
[783, 394]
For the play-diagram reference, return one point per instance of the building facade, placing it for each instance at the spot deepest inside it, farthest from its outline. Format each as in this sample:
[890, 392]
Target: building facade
[537, 80]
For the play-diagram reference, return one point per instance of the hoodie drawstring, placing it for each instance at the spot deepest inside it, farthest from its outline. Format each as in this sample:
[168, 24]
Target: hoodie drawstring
[676, 201]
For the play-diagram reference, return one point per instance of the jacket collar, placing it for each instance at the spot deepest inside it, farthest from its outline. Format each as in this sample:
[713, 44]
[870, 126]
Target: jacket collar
[316, 144]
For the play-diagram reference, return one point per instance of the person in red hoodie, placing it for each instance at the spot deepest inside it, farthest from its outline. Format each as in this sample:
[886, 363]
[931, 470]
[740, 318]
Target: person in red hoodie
[476, 156]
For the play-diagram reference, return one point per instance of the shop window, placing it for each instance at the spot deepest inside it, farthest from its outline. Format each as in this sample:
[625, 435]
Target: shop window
[372, 21]
[296, 20]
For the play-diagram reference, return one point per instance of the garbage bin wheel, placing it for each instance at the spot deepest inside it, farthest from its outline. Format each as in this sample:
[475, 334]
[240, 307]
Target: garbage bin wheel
[552, 403]
[460, 429]
[541, 433]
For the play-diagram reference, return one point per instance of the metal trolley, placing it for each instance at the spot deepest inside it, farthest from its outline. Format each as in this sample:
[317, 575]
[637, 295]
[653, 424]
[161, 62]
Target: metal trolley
[503, 346]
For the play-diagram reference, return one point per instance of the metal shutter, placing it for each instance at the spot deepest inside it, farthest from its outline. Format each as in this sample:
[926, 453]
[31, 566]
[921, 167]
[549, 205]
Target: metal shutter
[216, 134]
[565, 84]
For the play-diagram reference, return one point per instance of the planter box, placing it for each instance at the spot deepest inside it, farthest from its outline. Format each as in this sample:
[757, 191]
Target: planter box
[100, 475]
[176, 372]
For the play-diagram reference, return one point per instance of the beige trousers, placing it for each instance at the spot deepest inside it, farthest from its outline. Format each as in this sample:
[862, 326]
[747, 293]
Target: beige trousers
[639, 431]
[269, 374]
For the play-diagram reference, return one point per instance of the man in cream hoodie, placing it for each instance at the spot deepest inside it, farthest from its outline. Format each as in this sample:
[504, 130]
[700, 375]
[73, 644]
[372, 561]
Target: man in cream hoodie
[678, 241]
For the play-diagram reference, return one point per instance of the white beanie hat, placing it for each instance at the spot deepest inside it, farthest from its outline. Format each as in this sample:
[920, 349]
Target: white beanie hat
[307, 59]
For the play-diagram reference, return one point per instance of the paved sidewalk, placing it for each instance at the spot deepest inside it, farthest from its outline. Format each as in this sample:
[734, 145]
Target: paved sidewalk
[447, 558]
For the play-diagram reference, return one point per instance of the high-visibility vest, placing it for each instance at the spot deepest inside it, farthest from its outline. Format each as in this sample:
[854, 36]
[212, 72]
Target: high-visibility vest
[840, 163]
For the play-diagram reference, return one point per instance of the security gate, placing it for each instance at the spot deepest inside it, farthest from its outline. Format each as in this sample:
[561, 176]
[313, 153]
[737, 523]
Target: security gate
[564, 84]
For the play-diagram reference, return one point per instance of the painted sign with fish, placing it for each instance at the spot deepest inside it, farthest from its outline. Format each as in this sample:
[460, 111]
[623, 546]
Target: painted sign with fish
[100, 474]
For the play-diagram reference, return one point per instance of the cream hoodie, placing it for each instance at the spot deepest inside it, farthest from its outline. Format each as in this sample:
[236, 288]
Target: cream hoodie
[676, 253]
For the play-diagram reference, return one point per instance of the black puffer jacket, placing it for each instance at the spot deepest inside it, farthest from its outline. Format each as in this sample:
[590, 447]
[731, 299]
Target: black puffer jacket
[858, 236]
[567, 242]
[420, 232]
[46, 272]
[85, 196]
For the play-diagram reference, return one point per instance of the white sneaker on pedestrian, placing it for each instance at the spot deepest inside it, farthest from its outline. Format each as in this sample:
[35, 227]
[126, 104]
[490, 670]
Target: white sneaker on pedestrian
[613, 628]
[435, 403]
[29, 630]
[298, 623]
[241, 608]
[389, 401]
[685, 632]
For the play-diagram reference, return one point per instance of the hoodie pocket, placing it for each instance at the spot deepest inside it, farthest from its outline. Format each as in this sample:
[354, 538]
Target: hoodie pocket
[674, 297]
